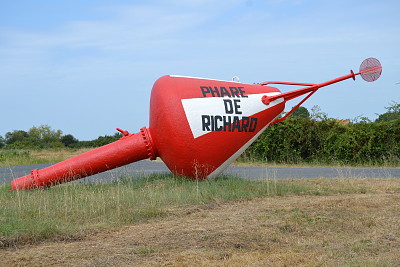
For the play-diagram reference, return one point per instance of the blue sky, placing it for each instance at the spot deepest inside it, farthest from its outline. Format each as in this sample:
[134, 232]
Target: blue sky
[87, 67]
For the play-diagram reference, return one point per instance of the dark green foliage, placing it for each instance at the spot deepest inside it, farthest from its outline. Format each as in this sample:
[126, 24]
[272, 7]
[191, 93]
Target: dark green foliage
[2, 142]
[15, 136]
[69, 140]
[44, 137]
[393, 113]
[301, 112]
[305, 137]
[36, 138]
[300, 140]
[104, 140]
[100, 141]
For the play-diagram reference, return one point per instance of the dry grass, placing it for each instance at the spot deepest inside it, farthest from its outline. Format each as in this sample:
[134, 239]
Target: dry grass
[356, 226]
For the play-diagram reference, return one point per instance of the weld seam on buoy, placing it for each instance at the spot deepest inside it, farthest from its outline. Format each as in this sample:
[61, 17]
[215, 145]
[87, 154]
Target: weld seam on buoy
[147, 141]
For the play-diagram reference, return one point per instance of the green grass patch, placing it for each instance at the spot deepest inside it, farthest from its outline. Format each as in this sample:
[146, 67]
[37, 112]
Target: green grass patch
[19, 157]
[73, 210]
[247, 159]
[14, 157]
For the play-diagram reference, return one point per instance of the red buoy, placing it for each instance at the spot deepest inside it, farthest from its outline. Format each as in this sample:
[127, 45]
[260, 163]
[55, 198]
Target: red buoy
[200, 126]
[197, 127]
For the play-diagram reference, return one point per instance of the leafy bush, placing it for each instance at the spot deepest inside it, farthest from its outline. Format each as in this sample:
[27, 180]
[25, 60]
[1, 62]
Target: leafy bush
[302, 140]
[69, 140]
[393, 113]
[100, 141]
[2, 142]
[44, 137]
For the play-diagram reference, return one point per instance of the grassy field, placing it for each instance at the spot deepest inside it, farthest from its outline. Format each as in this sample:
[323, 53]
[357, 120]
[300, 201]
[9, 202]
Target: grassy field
[29, 157]
[165, 220]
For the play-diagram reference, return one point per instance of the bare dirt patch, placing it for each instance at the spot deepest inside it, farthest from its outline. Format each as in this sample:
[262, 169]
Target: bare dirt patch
[341, 230]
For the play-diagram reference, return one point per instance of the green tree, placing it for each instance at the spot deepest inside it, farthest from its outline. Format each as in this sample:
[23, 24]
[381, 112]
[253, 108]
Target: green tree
[2, 142]
[36, 137]
[301, 112]
[15, 136]
[69, 140]
[392, 113]
[100, 141]
[45, 134]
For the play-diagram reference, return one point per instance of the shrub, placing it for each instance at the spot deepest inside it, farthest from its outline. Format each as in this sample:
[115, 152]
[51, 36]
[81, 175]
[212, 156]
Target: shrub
[302, 140]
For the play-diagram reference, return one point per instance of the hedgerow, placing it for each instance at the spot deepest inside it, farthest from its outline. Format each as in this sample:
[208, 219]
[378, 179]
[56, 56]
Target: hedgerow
[302, 140]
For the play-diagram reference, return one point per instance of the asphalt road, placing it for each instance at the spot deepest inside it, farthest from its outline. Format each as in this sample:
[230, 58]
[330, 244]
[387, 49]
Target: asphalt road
[147, 167]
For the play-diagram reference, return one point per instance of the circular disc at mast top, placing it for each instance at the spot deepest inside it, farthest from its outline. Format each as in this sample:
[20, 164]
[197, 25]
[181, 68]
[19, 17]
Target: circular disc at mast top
[370, 69]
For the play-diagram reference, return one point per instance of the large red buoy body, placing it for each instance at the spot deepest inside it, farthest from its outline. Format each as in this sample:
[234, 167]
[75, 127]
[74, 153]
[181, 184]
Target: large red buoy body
[199, 126]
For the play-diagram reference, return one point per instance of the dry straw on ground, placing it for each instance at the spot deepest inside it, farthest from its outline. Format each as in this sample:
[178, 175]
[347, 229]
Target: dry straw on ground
[341, 229]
